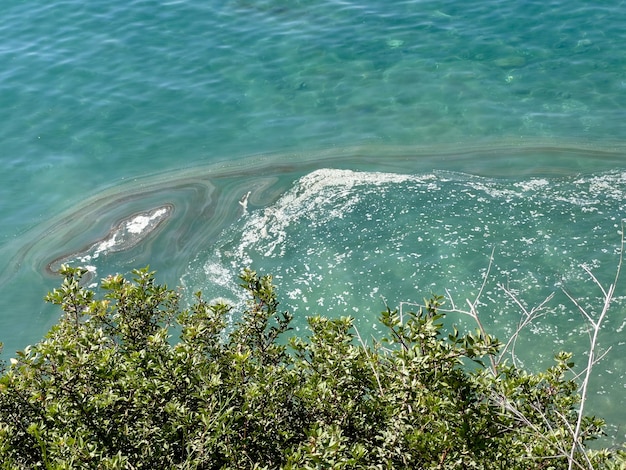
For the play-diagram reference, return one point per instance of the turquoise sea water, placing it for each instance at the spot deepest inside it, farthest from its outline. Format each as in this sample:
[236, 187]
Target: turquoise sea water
[380, 151]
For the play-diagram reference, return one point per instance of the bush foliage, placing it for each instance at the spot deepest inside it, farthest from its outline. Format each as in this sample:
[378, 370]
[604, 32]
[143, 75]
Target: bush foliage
[112, 386]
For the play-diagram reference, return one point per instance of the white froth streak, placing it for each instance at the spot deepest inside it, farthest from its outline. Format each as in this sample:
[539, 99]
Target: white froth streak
[139, 223]
[307, 196]
[106, 245]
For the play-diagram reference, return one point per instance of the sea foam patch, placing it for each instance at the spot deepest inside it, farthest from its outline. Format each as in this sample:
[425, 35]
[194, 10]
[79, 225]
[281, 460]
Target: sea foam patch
[319, 196]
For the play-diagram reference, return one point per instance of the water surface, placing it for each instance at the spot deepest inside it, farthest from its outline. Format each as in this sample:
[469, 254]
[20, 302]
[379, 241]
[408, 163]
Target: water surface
[387, 149]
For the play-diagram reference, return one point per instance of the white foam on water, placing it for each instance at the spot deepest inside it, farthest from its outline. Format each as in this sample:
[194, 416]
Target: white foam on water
[532, 184]
[141, 222]
[314, 200]
[111, 243]
[321, 195]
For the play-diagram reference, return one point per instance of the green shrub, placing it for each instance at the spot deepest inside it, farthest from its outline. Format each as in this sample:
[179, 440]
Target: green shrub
[108, 387]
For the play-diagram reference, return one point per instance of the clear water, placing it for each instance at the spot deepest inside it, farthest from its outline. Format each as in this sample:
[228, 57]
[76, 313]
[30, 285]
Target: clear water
[387, 149]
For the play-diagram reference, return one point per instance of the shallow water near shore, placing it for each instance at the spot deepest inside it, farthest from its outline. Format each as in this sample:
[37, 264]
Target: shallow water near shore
[361, 152]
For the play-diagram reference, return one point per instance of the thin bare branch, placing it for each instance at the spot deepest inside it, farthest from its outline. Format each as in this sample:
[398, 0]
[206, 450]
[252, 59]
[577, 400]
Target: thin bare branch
[485, 278]
[591, 360]
[580, 308]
